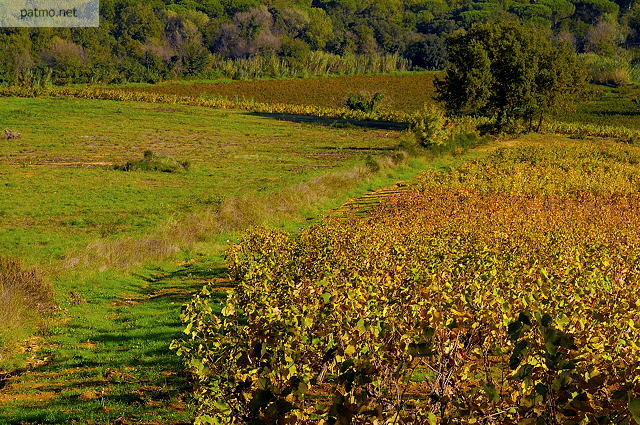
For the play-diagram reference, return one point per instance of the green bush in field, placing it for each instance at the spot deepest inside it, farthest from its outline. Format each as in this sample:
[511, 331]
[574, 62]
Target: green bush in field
[153, 162]
[430, 126]
[434, 131]
[359, 102]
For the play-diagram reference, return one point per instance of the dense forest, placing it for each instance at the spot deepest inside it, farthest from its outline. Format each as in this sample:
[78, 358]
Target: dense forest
[153, 40]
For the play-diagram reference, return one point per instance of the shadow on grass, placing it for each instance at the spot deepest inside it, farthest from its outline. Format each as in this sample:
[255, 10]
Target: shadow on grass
[118, 369]
[333, 122]
[189, 271]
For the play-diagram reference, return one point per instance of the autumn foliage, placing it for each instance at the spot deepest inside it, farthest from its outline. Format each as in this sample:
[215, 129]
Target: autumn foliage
[467, 300]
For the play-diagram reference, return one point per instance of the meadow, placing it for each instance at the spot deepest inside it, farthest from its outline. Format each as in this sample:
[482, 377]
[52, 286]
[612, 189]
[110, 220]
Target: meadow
[60, 190]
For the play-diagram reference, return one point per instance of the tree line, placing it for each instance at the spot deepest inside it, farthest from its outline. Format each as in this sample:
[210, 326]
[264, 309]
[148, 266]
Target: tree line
[152, 40]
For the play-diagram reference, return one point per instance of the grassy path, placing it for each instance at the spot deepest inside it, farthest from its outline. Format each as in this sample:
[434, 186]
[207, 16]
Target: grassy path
[109, 362]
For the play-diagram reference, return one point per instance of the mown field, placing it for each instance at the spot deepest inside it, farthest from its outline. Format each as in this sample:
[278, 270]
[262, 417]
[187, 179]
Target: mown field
[503, 290]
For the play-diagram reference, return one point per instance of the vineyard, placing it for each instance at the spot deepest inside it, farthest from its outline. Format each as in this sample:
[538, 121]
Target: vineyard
[403, 92]
[502, 291]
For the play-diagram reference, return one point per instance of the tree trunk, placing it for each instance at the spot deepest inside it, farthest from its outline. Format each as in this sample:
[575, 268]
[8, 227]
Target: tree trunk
[539, 123]
[499, 120]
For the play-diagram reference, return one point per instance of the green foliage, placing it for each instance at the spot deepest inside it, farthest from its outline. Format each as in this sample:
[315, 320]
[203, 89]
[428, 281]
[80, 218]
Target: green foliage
[430, 126]
[590, 11]
[154, 41]
[609, 71]
[509, 73]
[428, 53]
[360, 102]
[434, 131]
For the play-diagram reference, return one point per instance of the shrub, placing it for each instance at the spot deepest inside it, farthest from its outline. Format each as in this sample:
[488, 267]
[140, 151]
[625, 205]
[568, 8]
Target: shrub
[360, 102]
[606, 70]
[434, 131]
[430, 126]
[153, 162]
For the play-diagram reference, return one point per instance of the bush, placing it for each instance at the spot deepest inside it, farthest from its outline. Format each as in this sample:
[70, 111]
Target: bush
[608, 71]
[153, 162]
[430, 126]
[434, 131]
[360, 102]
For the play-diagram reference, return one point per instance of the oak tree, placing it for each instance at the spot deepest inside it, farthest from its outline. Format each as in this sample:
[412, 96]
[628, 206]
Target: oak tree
[510, 73]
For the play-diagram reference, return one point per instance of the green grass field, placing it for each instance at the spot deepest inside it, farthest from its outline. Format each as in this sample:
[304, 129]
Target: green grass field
[106, 359]
[60, 190]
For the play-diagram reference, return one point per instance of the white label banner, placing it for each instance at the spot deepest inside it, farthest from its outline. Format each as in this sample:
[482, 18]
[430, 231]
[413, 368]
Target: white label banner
[49, 13]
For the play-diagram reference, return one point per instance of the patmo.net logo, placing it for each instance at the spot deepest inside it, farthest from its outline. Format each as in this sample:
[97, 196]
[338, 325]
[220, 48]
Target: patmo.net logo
[49, 13]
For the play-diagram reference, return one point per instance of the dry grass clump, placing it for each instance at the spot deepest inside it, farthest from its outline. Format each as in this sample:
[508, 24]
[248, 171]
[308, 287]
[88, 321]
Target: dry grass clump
[9, 134]
[24, 297]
